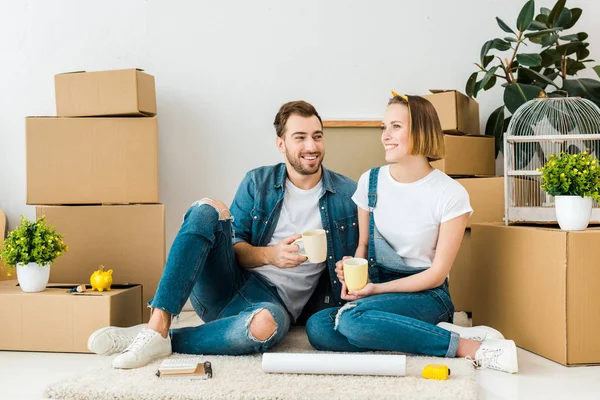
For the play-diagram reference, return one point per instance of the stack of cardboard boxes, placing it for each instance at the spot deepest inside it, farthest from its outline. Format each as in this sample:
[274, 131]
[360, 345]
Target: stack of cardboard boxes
[469, 159]
[354, 147]
[93, 172]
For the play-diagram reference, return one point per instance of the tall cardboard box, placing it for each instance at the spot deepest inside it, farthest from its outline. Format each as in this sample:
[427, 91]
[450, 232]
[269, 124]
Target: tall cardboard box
[458, 113]
[128, 92]
[129, 239]
[468, 155]
[92, 160]
[55, 320]
[539, 287]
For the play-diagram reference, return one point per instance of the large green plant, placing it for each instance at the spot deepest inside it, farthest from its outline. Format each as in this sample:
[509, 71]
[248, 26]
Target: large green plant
[528, 75]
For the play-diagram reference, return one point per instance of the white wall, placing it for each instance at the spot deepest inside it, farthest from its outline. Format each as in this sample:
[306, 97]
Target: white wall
[223, 68]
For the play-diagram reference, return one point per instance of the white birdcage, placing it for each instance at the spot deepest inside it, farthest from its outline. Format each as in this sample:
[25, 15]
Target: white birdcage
[541, 127]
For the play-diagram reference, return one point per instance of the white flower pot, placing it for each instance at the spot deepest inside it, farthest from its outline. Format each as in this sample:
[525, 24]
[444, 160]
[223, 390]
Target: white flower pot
[33, 277]
[573, 213]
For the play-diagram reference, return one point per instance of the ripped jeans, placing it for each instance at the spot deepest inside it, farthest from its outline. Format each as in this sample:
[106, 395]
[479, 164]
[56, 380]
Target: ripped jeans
[403, 322]
[201, 266]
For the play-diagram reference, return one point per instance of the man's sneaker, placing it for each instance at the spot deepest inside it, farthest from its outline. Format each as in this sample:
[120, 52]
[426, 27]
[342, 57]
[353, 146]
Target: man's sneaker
[112, 340]
[146, 347]
[479, 333]
[500, 355]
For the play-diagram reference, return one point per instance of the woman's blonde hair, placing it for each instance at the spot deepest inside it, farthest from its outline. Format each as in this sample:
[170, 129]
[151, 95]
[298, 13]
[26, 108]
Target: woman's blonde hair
[426, 136]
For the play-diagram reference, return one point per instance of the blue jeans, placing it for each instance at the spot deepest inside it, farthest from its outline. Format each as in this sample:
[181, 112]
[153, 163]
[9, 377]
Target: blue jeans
[201, 266]
[403, 322]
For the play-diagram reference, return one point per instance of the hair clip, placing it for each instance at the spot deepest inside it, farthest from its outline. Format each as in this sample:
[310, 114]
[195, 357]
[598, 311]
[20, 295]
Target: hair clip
[402, 96]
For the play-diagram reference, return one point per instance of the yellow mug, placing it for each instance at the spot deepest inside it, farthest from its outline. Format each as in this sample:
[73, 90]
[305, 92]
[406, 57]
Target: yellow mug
[356, 273]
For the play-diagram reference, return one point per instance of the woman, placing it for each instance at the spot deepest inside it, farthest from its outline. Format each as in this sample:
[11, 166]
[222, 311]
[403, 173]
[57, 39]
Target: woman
[412, 218]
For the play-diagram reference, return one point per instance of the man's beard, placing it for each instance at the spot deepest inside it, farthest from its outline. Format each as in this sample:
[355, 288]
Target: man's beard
[296, 163]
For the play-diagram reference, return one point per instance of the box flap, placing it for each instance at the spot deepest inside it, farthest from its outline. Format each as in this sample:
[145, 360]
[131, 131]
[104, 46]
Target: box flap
[434, 91]
[71, 72]
[84, 71]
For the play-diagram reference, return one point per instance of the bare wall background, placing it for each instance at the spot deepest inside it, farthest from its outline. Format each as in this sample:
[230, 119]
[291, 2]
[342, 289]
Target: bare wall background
[223, 69]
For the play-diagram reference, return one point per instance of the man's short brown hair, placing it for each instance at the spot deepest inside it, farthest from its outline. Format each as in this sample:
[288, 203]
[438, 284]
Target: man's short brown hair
[299, 107]
[426, 135]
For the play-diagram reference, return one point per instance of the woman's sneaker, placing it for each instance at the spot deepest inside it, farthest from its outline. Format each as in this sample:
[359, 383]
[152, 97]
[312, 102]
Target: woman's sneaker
[146, 347]
[112, 340]
[500, 355]
[479, 333]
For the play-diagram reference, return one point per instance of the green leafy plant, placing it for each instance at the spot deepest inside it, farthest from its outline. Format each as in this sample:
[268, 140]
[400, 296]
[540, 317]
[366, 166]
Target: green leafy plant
[571, 175]
[528, 75]
[32, 242]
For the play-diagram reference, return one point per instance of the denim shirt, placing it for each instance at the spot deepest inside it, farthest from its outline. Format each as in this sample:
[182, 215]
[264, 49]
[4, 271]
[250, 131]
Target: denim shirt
[257, 205]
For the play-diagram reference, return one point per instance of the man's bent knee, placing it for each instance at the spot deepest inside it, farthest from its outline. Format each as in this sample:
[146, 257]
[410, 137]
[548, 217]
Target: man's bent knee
[218, 205]
[263, 325]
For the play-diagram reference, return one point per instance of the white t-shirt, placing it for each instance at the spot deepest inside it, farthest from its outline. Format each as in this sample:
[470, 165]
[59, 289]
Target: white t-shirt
[299, 213]
[409, 215]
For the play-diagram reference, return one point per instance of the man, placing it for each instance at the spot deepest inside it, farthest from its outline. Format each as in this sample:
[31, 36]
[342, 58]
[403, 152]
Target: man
[239, 267]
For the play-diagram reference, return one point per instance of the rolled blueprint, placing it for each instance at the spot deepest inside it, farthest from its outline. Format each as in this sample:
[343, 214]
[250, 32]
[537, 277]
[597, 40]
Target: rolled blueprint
[335, 364]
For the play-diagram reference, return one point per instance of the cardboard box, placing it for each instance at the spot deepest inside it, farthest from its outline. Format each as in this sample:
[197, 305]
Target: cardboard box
[92, 160]
[468, 156]
[118, 92]
[54, 320]
[4, 273]
[458, 113]
[461, 277]
[2, 225]
[352, 151]
[130, 240]
[487, 199]
[539, 287]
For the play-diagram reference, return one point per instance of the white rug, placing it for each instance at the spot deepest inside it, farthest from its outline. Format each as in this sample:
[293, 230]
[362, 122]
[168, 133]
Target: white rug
[242, 378]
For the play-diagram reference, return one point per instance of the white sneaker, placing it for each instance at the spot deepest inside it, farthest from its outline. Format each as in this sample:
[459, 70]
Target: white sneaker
[112, 340]
[479, 333]
[500, 355]
[147, 346]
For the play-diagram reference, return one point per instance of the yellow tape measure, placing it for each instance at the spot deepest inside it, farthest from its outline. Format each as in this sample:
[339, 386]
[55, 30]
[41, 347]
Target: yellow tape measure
[436, 371]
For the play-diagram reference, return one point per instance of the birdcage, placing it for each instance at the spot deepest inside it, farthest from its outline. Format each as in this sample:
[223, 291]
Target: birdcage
[541, 127]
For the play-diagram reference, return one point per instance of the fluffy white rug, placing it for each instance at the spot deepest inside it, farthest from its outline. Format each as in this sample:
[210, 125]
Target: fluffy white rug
[242, 378]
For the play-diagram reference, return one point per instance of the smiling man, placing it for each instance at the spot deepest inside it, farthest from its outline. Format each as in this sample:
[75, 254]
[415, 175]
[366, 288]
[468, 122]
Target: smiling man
[239, 267]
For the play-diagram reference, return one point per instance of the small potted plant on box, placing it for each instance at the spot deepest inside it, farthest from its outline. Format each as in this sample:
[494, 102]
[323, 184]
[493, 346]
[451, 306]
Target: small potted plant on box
[574, 181]
[32, 247]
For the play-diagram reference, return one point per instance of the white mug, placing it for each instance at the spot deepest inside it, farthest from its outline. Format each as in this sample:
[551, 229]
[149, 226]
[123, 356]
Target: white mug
[315, 245]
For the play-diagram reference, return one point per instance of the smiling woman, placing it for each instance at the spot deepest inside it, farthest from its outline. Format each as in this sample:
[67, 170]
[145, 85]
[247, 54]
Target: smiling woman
[411, 220]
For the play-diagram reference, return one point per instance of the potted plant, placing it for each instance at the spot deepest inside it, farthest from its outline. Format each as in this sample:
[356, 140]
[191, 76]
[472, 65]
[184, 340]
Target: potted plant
[32, 247]
[542, 61]
[574, 181]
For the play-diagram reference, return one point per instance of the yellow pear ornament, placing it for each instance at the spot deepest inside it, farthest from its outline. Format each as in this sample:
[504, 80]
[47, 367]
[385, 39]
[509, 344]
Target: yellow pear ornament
[101, 280]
